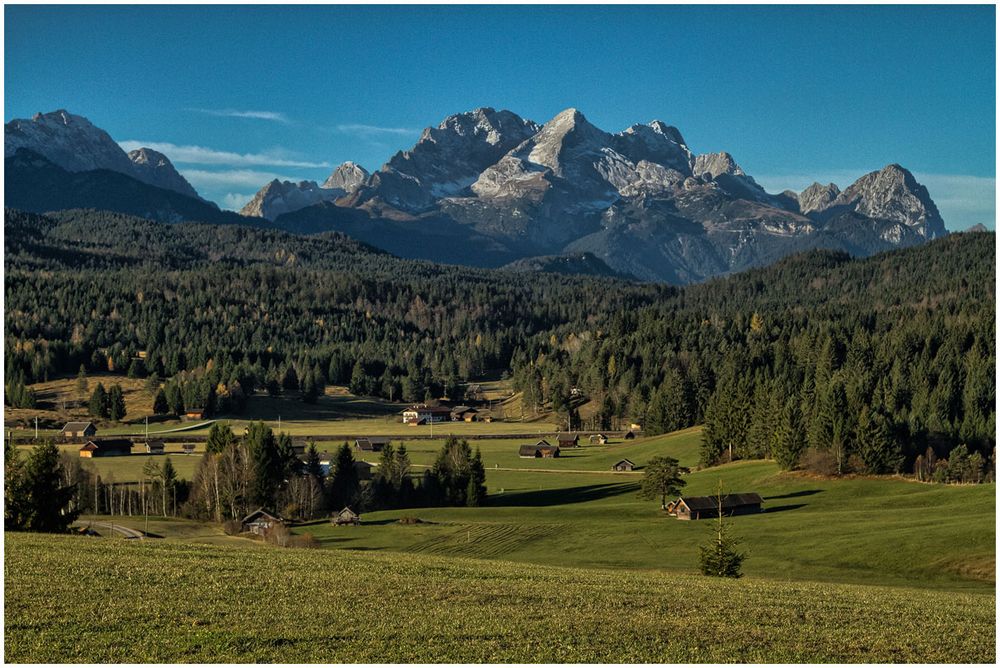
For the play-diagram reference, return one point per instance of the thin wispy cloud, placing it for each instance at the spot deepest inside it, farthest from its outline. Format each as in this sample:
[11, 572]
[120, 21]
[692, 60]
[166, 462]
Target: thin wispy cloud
[231, 178]
[372, 130]
[275, 116]
[201, 155]
[234, 201]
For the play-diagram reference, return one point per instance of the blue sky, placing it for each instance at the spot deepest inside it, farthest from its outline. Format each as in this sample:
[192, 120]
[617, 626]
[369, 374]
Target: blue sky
[236, 96]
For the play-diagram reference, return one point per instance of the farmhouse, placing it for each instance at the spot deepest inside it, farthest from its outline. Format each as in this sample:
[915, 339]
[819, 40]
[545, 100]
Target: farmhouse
[568, 440]
[346, 516]
[79, 430]
[701, 507]
[106, 447]
[371, 443]
[538, 450]
[623, 465]
[598, 439]
[156, 447]
[424, 414]
[261, 521]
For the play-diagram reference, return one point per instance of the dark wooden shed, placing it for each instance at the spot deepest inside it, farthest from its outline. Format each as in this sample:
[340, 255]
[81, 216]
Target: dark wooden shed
[623, 465]
[106, 447]
[702, 507]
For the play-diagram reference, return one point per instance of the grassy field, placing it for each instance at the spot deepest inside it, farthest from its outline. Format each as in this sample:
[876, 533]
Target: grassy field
[337, 412]
[70, 598]
[575, 511]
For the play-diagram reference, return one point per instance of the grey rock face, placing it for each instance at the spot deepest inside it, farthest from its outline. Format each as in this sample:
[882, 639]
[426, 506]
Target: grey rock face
[70, 141]
[347, 177]
[77, 145]
[447, 159]
[893, 195]
[279, 197]
[817, 197]
[154, 168]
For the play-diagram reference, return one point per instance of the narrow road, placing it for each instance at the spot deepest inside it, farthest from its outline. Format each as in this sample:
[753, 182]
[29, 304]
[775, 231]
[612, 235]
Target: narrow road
[130, 534]
[502, 468]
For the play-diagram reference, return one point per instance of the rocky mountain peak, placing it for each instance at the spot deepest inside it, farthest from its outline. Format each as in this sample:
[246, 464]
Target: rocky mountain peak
[70, 141]
[893, 194]
[154, 168]
[278, 197]
[348, 177]
[714, 164]
[656, 142]
[817, 197]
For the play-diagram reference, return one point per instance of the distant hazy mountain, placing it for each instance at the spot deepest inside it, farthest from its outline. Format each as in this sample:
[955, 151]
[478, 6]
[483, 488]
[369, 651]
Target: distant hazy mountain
[75, 144]
[34, 183]
[279, 197]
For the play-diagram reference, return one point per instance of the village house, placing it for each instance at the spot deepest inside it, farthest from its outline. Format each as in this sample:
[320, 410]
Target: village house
[79, 430]
[568, 440]
[346, 516]
[623, 465]
[371, 443]
[702, 507]
[261, 521]
[424, 414]
[156, 447]
[539, 450]
[106, 447]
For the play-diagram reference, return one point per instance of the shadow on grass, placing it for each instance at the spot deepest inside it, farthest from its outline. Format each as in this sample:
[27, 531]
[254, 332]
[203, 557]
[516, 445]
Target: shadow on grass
[790, 506]
[563, 496]
[794, 495]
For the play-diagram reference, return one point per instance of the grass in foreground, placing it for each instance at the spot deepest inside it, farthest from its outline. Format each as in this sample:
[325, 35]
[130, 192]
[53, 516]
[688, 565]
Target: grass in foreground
[72, 598]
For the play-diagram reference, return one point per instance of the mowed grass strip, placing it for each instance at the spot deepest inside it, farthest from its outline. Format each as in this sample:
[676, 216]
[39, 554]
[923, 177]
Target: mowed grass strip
[74, 599]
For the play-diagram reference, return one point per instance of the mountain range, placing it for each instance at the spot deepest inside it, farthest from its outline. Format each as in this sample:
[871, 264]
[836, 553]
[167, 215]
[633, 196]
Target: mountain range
[489, 188]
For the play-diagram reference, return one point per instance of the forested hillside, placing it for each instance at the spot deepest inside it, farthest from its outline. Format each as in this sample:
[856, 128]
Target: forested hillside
[827, 361]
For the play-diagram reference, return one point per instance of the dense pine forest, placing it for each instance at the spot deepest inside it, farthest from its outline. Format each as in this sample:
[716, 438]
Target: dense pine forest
[840, 365]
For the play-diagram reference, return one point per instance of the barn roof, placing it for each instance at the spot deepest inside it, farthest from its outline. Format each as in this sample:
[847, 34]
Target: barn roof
[728, 501]
[568, 436]
[347, 512]
[77, 426]
[262, 512]
[625, 461]
[108, 444]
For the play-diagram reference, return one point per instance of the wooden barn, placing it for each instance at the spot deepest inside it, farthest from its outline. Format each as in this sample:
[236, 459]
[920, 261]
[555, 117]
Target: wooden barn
[106, 447]
[568, 440]
[629, 436]
[194, 414]
[188, 448]
[346, 516]
[540, 450]
[623, 465]
[371, 443]
[463, 414]
[598, 439]
[156, 447]
[261, 521]
[702, 507]
[79, 430]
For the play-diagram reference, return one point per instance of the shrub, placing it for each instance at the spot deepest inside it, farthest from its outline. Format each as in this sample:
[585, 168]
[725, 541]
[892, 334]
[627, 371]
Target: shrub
[278, 535]
[819, 461]
[232, 527]
[306, 540]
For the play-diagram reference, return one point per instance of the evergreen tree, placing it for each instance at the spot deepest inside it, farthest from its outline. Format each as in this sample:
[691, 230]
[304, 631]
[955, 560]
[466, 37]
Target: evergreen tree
[790, 439]
[720, 557]
[265, 464]
[344, 478]
[160, 405]
[81, 383]
[115, 403]
[99, 406]
[661, 477]
[220, 436]
[876, 447]
[48, 500]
